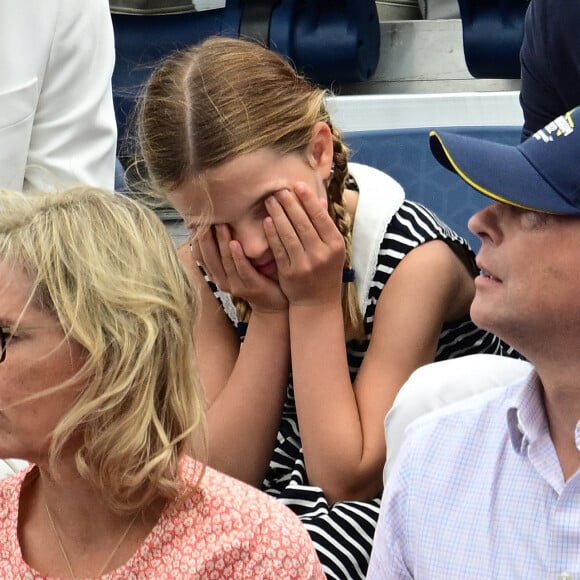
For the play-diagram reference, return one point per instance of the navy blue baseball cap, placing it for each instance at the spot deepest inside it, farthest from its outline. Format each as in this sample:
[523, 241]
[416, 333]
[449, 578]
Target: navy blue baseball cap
[541, 174]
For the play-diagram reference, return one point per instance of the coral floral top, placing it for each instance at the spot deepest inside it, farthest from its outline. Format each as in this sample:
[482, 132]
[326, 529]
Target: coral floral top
[224, 529]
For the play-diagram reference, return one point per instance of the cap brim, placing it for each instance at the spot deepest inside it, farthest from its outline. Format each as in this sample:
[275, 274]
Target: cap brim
[496, 170]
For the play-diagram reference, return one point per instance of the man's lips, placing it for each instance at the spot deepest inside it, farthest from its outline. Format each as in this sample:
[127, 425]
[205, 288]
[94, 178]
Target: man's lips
[485, 273]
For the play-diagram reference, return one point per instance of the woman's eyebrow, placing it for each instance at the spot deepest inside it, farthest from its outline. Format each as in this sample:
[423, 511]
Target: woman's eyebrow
[13, 325]
[7, 320]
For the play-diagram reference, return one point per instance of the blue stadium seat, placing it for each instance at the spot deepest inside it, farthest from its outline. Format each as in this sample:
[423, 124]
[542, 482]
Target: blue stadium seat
[405, 155]
[330, 41]
[493, 31]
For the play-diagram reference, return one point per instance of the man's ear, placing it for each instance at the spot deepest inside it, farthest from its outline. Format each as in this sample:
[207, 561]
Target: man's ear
[320, 151]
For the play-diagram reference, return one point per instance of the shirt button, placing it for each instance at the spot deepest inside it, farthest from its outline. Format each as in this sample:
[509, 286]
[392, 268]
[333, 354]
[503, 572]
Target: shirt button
[565, 576]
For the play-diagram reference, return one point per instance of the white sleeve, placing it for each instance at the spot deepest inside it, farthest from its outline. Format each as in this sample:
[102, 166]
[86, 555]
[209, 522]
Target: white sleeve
[442, 383]
[74, 133]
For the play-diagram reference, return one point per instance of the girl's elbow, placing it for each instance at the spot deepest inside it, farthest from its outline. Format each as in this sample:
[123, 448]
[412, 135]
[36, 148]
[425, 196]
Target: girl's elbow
[352, 488]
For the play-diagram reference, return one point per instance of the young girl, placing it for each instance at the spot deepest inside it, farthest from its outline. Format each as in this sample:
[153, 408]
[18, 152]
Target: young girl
[322, 288]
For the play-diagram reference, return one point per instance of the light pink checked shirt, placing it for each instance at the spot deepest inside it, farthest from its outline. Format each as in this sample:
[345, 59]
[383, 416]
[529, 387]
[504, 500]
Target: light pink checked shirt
[225, 530]
[478, 492]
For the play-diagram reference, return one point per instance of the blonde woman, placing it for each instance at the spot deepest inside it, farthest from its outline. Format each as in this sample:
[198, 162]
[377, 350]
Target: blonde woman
[338, 287]
[99, 391]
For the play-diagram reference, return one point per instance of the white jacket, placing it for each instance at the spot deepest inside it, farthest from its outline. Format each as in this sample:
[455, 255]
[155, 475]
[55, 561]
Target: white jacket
[57, 122]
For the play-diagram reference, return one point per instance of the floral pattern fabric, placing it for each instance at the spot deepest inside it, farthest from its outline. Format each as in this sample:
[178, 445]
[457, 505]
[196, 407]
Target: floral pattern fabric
[225, 529]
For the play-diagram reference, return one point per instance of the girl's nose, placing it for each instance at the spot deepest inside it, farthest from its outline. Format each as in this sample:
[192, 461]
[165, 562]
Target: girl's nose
[252, 238]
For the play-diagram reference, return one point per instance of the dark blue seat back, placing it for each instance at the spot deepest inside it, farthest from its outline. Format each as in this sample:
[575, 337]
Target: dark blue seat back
[141, 41]
[493, 31]
[330, 41]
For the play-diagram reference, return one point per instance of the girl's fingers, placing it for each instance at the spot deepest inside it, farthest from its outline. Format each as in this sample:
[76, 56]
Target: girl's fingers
[286, 228]
[243, 269]
[317, 211]
[217, 257]
[223, 238]
[302, 217]
[207, 253]
[237, 267]
[276, 246]
[227, 265]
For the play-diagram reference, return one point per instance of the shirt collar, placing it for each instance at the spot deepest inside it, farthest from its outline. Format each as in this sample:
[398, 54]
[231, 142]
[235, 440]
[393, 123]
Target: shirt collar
[526, 414]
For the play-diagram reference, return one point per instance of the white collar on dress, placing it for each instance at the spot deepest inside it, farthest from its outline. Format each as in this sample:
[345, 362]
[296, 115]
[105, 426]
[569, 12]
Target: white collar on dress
[380, 197]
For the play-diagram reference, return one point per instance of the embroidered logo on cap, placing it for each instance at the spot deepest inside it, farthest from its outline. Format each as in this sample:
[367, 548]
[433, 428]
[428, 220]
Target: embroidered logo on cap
[560, 127]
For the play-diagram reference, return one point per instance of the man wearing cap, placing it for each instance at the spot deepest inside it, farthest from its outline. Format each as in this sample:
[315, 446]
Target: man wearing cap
[490, 487]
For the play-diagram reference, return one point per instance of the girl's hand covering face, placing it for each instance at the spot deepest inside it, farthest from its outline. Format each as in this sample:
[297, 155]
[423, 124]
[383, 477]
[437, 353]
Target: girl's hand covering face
[226, 264]
[308, 247]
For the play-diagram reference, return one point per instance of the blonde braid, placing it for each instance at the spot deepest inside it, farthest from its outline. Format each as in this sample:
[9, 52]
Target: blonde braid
[353, 320]
[243, 309]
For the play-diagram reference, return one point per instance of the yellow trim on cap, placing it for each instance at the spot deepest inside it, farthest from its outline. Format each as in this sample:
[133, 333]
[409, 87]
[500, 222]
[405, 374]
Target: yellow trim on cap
[478, 187]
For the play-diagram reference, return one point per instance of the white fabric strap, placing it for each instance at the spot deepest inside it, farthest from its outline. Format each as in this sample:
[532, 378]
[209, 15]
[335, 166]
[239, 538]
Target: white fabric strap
[380, 197]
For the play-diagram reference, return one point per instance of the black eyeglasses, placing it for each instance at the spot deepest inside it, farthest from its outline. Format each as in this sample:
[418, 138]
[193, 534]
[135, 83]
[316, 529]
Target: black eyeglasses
[7, 332]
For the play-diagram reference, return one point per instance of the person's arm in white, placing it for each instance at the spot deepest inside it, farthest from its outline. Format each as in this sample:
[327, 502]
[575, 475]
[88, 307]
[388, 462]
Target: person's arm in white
[74, 134]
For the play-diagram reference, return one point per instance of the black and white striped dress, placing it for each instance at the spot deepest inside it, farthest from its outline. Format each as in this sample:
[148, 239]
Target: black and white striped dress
[343, 532]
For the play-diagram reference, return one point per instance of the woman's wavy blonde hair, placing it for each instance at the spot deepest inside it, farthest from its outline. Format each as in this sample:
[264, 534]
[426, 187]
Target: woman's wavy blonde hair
[225, 97]
[106, 268]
